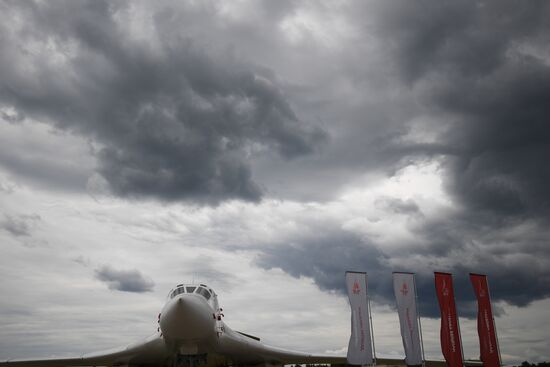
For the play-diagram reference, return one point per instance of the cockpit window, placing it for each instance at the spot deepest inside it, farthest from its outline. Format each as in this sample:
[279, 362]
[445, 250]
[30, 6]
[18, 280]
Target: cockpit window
[203, 292]
[177, 291]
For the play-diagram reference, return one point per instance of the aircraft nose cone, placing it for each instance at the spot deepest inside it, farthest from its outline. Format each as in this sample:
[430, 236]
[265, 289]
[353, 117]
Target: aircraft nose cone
[186, 317]
[174, 310]
[186, 308]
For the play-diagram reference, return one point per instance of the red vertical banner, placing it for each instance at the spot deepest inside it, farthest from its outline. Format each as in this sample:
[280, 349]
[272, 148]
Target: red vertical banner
[488, 347]
[450, 333]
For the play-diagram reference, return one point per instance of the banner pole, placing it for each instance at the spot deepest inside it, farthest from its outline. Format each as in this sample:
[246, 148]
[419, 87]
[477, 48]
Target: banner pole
[493, 316]
[371, 327]
[419, 323]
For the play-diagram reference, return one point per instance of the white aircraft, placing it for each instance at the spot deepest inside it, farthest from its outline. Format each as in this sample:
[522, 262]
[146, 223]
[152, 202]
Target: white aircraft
[191, 333]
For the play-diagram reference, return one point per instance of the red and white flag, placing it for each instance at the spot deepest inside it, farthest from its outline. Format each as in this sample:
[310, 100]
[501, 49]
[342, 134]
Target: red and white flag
[488, 347]
[360, 342]
[405, 297]
[450, 334]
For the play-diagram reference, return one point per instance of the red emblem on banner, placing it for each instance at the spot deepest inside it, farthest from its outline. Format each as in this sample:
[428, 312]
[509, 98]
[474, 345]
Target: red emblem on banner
[445, 290]
[356, 288]
[404, 289]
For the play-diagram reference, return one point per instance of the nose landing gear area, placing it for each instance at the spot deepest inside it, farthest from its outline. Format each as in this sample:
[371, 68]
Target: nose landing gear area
[189, 360]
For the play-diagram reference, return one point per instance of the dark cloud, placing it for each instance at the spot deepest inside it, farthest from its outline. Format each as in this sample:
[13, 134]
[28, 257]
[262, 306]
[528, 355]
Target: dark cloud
[170, 120]
[502, 167]
[398, 206]
[513, 252]
[124, 280]
[324, 253]
[470, 39]
[19, 225]
[325, 256]
[477, 76]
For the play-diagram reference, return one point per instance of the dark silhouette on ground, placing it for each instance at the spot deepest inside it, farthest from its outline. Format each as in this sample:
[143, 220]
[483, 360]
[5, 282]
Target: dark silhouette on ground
[523, 364]
[540, 364]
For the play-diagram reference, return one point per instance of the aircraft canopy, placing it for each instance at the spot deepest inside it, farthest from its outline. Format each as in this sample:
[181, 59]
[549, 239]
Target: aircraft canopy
[201, 289]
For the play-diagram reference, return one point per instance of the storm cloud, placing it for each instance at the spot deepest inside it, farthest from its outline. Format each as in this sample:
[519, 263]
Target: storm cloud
[326, 258]
[324, 254]
[169, 119]
[19, 225]
[479, 73]
[480, 76]
[124, 280]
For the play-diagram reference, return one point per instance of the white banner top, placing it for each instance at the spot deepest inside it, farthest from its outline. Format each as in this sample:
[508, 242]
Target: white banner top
[405, 296]
[360, 342]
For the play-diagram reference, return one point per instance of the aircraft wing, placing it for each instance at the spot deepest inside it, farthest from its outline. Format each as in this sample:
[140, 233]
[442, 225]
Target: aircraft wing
[256, 352]
[246, 349]
[148, 349]
[277, 356]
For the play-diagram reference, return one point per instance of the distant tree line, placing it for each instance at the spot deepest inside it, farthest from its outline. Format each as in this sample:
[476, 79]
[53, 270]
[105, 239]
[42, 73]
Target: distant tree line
[540, 364]
[523, 364]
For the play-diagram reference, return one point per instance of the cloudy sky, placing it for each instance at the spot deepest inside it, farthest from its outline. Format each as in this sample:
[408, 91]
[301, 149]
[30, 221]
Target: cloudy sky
[265, 147]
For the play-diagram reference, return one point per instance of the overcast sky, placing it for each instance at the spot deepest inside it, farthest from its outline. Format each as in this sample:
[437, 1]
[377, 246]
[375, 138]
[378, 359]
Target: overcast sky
[265, 147]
